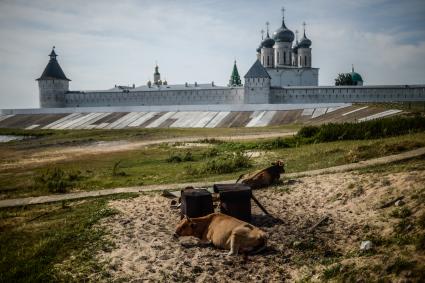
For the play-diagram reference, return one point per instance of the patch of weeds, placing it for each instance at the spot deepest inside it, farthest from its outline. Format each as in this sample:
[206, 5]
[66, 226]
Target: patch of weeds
[402, 239]
[399, 265]
[115, 170]
[174, 158]
[386, 182]
[188, 156]
[57, 180]
[420, 242]
[211, 141]
[402, 212]
[212, 152]
[357, 192]
[403, 225]
[421, 220]
[228, 163]
[332, 271]
[304, 245]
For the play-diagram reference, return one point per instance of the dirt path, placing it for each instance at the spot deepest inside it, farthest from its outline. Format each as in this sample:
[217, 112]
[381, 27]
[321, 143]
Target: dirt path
[342, 168]
[63, 153]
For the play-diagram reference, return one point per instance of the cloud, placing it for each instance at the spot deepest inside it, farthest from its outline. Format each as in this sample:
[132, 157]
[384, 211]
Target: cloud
[102, 43]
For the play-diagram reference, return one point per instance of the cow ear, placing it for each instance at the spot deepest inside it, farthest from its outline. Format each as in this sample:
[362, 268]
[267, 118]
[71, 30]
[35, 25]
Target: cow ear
[273, 163]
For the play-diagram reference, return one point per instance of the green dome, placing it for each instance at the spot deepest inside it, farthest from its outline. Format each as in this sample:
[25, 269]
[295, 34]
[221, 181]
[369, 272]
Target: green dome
[356, 77]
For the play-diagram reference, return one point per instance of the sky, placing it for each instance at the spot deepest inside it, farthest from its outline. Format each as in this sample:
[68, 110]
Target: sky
[103, 43]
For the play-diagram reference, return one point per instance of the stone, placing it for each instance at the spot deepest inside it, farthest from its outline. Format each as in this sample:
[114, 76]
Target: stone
[399, 203]
[366, 245]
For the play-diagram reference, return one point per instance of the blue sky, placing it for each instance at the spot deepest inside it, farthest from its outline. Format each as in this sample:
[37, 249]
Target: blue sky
[102, 43]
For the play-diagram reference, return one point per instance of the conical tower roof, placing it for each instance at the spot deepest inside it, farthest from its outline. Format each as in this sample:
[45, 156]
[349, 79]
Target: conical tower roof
[53, 70]
[257, 71]
[235, 79]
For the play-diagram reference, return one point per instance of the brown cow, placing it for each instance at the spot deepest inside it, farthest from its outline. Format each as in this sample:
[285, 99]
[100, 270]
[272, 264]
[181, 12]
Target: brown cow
[265, 177]
[224, 232]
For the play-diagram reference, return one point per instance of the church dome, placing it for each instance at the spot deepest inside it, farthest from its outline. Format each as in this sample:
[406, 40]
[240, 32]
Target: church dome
[356, 77]
[267, 42]
[283, 34]
[305, 42]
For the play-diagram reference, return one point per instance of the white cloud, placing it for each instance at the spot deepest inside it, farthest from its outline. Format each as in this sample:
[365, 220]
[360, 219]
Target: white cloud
[102, 43]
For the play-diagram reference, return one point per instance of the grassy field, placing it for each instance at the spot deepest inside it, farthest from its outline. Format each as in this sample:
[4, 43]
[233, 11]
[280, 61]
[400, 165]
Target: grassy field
[58, 242]
[35, 240]
[69, 137]
[151, 165]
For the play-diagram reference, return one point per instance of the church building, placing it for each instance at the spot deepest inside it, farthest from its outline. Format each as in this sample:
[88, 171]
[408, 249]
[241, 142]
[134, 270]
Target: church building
[287, 63]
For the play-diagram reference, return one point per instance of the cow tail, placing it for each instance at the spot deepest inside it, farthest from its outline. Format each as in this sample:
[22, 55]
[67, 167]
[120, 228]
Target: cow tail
[240, 177]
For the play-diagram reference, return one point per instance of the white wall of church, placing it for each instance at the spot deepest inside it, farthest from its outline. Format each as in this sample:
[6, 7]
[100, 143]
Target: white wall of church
[282, 77]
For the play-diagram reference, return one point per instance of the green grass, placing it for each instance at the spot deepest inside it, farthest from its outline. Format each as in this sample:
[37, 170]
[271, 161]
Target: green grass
[33, 240]
[59, 137]
[149, 165]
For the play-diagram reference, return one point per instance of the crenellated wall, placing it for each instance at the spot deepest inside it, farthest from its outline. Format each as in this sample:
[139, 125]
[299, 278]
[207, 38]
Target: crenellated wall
[348, 94]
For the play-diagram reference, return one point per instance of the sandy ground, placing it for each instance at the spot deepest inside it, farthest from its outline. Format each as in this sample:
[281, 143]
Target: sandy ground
[145, 250]
[49, 155]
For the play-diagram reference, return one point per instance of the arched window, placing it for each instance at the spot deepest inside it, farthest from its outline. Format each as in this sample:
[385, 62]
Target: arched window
[305, 60]
[268, 60]
[284, 57]
[278, 57]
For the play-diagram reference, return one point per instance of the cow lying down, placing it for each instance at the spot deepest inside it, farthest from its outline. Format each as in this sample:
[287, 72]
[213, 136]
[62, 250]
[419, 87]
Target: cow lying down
[223, 232]
[265, 177]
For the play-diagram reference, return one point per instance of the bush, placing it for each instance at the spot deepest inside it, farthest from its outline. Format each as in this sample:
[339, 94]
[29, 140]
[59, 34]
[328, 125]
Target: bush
[308, 132]
[188, 156]
[380, 128]
[56, 180]
[213, 152]
[227, 163]
[174, 158]
[115, 170]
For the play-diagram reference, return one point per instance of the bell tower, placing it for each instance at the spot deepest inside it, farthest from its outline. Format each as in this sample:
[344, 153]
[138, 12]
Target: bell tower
[52, 84]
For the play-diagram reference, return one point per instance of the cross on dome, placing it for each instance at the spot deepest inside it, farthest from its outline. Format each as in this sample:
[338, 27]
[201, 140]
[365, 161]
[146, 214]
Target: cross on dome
[283, 12]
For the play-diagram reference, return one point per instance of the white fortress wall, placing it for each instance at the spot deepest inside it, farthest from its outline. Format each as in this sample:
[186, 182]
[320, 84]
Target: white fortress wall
[293, 76]
[348, 94]
[155, 97]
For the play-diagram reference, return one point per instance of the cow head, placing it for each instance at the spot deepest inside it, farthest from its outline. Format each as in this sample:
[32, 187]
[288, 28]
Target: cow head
[186, 227]
[280, 165]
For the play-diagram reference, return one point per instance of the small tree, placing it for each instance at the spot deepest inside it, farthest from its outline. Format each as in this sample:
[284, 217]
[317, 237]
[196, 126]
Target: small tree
[344, 79]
